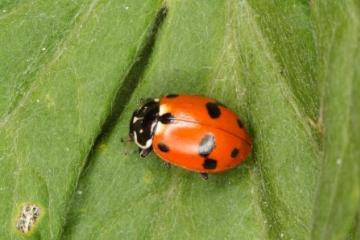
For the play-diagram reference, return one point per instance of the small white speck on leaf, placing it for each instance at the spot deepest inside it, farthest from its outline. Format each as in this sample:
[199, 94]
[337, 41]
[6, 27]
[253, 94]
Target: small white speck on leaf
[281, 235]
[338, 161]
[4, 11]
[126, 8]
[79, 192]
[28, 217]
[37, 100]
[43, 49]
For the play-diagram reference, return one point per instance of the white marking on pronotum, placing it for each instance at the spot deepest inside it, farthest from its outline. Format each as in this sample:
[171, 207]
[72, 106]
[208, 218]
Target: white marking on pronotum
[164, 109]
[156, 100]
[153, 125]
[159, 128]
[136, 119]
[28, 217]
[147, 144]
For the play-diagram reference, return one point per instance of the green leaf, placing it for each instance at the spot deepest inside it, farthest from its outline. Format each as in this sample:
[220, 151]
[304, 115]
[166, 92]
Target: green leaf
[72, 73]
[338, 197]
[47, 134]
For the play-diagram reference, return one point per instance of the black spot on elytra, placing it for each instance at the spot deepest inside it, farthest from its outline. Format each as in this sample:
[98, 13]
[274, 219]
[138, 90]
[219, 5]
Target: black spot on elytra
[207, 144]
[234, 153]
[172, 95]
[213, 110]
[163, 147]
[166, 118]
[240, 123]
[209, 163]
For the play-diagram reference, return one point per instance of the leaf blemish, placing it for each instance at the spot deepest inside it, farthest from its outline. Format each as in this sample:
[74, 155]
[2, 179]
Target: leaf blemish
[28, 218]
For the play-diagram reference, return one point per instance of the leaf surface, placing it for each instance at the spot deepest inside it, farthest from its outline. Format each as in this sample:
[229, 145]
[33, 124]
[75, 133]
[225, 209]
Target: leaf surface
[76, 72]
[47, 135]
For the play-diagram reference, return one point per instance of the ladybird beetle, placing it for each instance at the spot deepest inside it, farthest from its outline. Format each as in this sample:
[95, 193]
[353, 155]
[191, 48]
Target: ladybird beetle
[193, 132]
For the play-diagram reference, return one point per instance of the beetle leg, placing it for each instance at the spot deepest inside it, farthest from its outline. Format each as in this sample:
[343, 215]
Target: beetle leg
[143, 101]
[145, 152]
[127, 139]
[167, 164]
[204, 176]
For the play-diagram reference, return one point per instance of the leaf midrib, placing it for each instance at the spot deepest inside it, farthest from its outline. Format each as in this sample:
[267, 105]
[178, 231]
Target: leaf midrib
[299, 112]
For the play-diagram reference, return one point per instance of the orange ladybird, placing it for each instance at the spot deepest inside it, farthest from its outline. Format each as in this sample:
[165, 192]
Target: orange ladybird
[193, 132]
